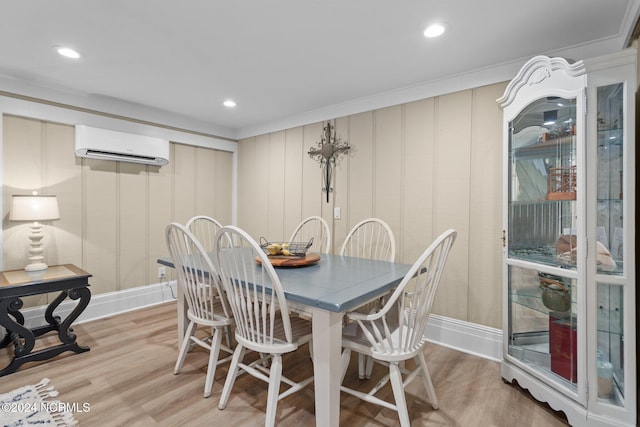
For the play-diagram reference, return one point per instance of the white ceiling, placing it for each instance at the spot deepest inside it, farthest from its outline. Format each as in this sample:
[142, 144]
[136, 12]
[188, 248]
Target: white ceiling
[283, 61]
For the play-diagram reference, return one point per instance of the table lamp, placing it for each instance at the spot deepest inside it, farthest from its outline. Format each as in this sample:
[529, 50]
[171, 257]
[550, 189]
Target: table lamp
[34, 208]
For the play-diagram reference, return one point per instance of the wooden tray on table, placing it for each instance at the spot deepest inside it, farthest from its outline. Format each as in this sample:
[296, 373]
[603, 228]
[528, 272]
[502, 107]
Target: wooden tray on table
[293, 261]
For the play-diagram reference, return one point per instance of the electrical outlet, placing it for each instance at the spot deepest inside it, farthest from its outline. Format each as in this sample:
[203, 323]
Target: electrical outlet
[162, 271]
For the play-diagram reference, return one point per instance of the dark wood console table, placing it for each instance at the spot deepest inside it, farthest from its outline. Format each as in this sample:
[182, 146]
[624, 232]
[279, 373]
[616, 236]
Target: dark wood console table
[67, 279]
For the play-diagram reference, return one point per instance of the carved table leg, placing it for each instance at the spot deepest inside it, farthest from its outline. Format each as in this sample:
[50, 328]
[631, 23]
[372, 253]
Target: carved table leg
[48, 314]
[64, 333]
[23, 339]
[18, 318]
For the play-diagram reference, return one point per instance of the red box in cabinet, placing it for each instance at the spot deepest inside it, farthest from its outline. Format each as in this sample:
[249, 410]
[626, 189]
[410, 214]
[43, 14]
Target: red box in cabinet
[563, 344]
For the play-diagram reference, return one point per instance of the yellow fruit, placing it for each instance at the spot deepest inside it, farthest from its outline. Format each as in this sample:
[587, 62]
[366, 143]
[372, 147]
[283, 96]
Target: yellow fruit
[274, 248]
[286, 252]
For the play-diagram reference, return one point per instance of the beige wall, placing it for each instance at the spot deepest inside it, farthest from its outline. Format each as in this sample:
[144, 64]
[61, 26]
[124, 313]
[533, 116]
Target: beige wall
[422, 167]
[112, 214]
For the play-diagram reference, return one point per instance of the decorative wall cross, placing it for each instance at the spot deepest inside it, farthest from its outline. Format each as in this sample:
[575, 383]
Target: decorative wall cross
[328, 151]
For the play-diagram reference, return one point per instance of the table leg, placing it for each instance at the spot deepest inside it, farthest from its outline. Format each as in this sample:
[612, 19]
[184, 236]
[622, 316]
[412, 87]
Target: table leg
[19, 318]
[65, 332]
[24, 339]
[53, 321]
[327, 345]
[183, 321]
[48, 314]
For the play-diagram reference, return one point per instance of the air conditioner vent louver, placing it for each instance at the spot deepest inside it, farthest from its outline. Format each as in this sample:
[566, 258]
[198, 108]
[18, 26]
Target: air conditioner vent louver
[106, 144]
[106, 155]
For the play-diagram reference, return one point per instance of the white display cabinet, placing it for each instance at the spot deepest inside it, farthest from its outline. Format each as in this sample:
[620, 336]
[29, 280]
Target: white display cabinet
[569, 236]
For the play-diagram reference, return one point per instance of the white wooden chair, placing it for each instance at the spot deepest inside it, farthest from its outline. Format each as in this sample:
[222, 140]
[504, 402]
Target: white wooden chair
[395, 333]
[263, 323]
[371, 238]
[199, 283]
[205, 229]
[315, 227]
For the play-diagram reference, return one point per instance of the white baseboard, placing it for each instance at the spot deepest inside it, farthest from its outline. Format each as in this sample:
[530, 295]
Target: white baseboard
[467, 337]
[108, 304]
[464, 336]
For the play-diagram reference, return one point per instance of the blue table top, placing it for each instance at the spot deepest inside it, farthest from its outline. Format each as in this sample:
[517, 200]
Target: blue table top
[336, 283]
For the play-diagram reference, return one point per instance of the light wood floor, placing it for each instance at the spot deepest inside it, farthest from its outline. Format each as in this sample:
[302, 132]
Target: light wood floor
[127, 379]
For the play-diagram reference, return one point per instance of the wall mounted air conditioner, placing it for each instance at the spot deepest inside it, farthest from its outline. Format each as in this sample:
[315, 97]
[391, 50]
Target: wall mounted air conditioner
[106, 144]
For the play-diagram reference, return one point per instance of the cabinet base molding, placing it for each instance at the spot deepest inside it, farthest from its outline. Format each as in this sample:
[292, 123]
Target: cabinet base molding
[576, 414]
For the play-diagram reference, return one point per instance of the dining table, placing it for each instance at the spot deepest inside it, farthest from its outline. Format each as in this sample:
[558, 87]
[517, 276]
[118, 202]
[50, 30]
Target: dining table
[326, 290]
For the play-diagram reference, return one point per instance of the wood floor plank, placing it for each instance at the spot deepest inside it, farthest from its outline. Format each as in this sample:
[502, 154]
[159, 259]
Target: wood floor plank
[127, 379]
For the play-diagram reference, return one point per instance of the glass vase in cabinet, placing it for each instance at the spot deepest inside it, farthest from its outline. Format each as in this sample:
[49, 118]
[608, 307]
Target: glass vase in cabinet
[569, 297]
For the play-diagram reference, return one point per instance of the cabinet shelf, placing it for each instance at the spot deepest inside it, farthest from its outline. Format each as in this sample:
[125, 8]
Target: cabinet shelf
[541, 255]
[546, 255]
[537, 355]
[543, 146]
[609, 320]
[532, 298]
[618, 271]
[610, 137]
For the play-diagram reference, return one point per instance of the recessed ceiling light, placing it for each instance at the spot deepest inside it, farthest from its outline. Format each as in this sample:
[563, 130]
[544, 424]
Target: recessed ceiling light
[229, 103]
[68, 52]
[434, 30]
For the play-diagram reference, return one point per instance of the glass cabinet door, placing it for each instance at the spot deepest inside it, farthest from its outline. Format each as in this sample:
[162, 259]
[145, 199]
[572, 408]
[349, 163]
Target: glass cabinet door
[542, 183]
[610, 171]
[610, 243]
[542, 223]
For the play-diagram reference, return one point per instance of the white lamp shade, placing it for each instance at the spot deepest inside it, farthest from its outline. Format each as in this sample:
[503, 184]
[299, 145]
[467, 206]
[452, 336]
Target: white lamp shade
[34, 208]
